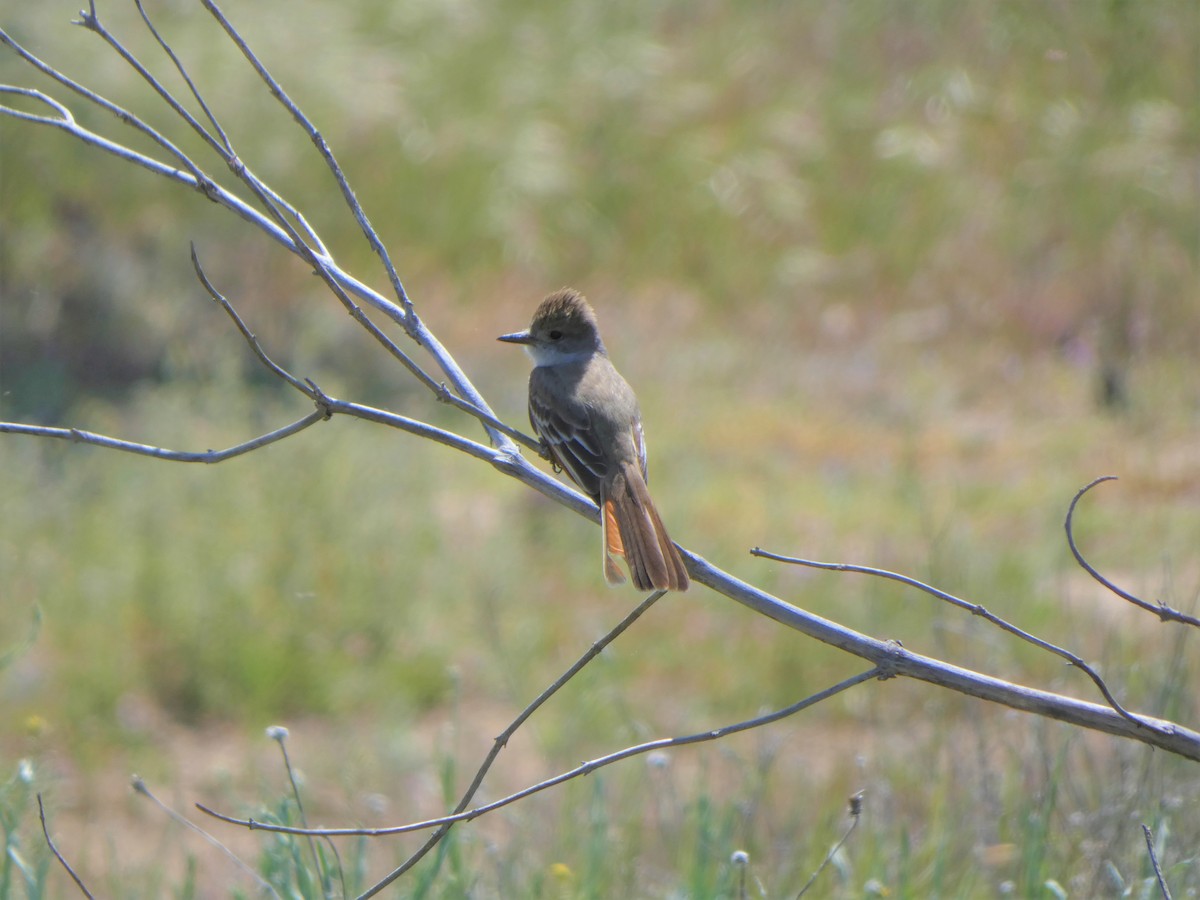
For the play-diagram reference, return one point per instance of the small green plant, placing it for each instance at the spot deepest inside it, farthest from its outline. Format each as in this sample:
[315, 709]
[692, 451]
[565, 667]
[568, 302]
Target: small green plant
[26, 862]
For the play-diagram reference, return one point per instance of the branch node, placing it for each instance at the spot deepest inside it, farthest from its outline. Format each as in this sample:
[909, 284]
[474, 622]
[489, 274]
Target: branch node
[888, 666]
[208, 188]
[322, 401]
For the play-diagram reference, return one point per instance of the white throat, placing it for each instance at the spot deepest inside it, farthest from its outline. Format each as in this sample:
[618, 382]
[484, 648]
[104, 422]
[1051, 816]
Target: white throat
[543, 355]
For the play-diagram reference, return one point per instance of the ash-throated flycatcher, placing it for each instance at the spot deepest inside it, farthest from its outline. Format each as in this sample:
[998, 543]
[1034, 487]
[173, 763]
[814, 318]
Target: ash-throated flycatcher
[588, 419]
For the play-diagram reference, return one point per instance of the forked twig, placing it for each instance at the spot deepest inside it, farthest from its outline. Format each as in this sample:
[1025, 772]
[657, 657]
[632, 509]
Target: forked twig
[975, 609]
[502, 740]
[585, 768]
[277, 224]
[410, 322]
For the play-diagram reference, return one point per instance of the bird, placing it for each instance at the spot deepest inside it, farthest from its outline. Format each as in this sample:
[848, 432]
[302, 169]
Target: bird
[590, 426]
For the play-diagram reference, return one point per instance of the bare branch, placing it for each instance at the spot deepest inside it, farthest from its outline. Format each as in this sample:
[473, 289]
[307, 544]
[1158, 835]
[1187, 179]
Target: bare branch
[223, 148]
[584, 769]
[405, 315]
[90, 20]
[53, 849]
[278, 226]
[179, 67]
[975, 609]
[1164, 612]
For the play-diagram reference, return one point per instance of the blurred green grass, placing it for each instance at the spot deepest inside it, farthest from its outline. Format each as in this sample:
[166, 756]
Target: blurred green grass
[868, 268]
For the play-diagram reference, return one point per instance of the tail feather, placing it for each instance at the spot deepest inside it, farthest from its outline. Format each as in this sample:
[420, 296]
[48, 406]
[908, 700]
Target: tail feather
[612, 544]
[639, 535]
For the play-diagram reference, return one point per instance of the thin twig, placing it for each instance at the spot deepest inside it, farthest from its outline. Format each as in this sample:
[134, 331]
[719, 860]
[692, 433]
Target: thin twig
[278, 370]
[179, 67]
[975, 609]
[79, 436]
[90, 20]
[126, 117]
[1162, 882]
[583, 769]
[53, 849]
[856, 803]
[1164, 612]
[139, 786]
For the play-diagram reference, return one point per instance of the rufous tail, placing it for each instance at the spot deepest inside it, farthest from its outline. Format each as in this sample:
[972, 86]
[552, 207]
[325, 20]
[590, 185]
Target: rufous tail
[633, 529]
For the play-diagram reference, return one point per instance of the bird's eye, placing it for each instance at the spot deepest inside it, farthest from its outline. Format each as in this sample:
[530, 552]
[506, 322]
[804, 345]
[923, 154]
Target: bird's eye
[555, 335]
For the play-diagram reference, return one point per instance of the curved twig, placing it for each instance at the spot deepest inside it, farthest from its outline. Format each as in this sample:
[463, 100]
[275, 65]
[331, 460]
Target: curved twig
[1164, 612]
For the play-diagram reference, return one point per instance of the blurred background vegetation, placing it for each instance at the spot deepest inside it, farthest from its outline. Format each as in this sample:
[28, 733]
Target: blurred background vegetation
[892, 280]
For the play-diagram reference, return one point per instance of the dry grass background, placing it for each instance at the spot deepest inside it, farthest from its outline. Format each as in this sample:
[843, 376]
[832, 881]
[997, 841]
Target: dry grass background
[868, 269]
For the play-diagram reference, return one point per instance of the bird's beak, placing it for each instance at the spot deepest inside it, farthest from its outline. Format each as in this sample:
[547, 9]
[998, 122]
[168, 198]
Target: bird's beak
[517, 337]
